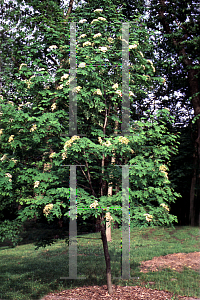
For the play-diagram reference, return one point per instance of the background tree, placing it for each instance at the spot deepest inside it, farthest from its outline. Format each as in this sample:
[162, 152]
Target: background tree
[176, 27]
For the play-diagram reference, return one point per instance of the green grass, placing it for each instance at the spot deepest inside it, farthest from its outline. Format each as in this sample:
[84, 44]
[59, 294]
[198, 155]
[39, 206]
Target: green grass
[28, 274]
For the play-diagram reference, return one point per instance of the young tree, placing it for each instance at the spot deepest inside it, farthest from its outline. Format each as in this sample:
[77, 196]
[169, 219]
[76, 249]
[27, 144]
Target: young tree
[146, 149]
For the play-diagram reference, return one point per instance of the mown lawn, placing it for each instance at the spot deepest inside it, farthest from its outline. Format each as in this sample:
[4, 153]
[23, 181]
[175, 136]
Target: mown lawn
[28, 274]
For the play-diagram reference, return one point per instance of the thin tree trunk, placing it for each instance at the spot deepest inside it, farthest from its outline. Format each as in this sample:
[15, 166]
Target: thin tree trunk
[107, 256]
[192, 199]
[110, 188]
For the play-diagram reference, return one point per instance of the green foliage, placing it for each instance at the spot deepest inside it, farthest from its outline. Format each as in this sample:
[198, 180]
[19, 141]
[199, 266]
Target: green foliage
[34, 112]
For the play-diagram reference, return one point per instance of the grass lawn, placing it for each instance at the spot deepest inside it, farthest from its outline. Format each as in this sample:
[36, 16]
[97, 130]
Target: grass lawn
[28, 274]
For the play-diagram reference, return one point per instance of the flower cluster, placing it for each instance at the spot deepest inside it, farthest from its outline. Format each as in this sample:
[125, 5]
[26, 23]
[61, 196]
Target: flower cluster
[108, 217]
[82, 35]
[28, 82]
[65, 76]
[123, 140]
[82, 65]
[10, 102]
[98, 10]
[22, 66]
[9, 175]
[68, 81]
[148, 217]
[15, 160]
[77, 89]
[134, 46]
[33, 128]
[52, 154]
[165, 206]
[107, 143]
[64, 155]
[115, 86]
[60, 87]
[98, 92]
[47, 208]
[97, 35]
[163, 169]
[87, 44]
[41, 69]
[11, 138]
[94, 204]
[1, 131]
[36, 184]
[103, 49]
[100, 140]
[53, 106]
[53, 47]
[102, 19]
[110, 40]
[82, 21]
[69, 143]
[99, 18]
[4, 157]
[149, 61]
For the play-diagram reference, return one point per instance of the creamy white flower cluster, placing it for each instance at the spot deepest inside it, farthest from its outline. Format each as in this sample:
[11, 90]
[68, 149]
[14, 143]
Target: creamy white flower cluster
[65, 76]
[98, 92]
[119, 92]
[4, 157]
[33, 128]
[11, 138]
[22, 66]
[15, 160]
[165, 206]
[36, 184]
[82, 65]
[148, 217]
[52, 154]
[47, 208]
[98, 10]
[53, 106]
[123, 140]
[69, 143]
[107, 143]
[108, 217]
[28, 82]
[77, 89]
[151, 63]
[94, 204]
[53, 47]
[9, 175]
[163, 169]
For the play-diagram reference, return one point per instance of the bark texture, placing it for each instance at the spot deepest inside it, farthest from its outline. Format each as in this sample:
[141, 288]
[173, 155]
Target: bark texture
[106, 255]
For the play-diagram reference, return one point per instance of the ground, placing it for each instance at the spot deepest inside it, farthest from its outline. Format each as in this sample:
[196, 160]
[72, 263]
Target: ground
[174, 261]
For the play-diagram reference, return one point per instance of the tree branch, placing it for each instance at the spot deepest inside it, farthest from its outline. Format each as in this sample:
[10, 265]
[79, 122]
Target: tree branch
[69, 10]
[89, 177]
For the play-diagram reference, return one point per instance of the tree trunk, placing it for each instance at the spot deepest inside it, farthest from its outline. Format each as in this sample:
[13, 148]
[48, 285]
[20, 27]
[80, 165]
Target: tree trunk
[106, 255]
[110, 188]
[192, 199]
